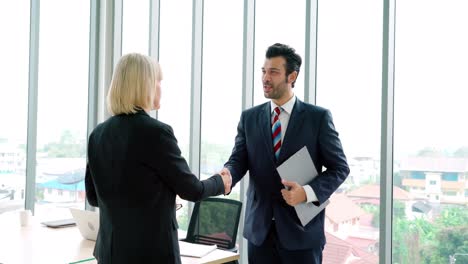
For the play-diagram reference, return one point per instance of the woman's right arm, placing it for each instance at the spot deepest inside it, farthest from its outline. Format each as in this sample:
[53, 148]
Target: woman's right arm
[175, 172]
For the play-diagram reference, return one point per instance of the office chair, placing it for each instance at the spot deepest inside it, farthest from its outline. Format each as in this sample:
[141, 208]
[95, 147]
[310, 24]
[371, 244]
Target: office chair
[215, 221]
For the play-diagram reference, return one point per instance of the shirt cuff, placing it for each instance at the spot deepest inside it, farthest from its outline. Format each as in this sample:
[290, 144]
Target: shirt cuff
[311, 197]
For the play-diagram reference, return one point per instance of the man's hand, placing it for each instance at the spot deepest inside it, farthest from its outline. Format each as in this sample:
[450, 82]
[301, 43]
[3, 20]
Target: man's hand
[294, 194]
[227, 179]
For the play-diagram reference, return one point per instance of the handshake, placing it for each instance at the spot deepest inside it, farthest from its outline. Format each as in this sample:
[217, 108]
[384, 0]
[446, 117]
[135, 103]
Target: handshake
[227, 180]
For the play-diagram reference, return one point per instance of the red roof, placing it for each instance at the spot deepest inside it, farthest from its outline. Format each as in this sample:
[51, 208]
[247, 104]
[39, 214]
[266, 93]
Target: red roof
[338, 251]
[366, 220]
[335, 210]
[362, 243]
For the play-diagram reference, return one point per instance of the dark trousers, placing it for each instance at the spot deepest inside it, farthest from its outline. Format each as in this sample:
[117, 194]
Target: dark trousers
[271, 252]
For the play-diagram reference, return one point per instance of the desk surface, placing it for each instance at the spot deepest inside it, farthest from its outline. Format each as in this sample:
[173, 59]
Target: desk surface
[38, 244]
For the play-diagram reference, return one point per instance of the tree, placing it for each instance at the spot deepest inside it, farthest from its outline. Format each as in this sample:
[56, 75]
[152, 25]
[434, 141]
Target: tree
[420, 241]
[430, 152]
[374, 210]
[451, 236]
[398, 180]
[409, 240]
[67, 147]
[461, 152]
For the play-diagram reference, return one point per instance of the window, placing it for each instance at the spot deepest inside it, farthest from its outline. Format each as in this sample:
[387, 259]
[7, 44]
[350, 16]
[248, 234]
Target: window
[135, 26]
[13, 102]
[62, 104]
[450, 176]
[418, 175]
[175, 60]
[430, 100]
[283, 22]
[222, 84]
[349, 59]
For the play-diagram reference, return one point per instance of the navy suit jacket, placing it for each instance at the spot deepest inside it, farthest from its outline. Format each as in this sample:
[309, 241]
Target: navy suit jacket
[310, 126]
[134, 172]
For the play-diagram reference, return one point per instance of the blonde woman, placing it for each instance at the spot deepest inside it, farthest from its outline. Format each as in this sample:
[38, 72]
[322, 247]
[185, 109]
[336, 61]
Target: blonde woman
[135, 170]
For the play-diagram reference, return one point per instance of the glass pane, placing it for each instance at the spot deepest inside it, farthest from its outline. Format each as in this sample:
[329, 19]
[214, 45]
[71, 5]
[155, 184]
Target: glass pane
[431, 143]
[222, 84]
[276, 21]
[175, 60]
[135, 26]
[349, 84]
[62, 107]
[13, 102]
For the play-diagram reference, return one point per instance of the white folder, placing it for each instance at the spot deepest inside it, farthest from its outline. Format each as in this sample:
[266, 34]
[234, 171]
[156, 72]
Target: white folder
[301, 169]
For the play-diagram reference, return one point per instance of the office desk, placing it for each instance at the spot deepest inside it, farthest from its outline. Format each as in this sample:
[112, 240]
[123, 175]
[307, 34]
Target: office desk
[37, 244]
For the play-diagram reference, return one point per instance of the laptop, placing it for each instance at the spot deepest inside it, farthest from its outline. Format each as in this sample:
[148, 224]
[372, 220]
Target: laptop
[87, 222]
[59, 223]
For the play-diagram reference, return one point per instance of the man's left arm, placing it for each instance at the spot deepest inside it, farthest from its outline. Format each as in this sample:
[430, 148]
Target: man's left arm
[333, 159]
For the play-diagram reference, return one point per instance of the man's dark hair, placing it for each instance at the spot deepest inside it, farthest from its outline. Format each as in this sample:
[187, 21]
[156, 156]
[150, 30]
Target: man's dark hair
[293, 60]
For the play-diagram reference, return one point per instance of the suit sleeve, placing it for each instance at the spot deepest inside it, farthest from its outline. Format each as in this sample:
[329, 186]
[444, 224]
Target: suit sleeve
[333, 158]
[237, 163]
[90, 190]
[175, 172]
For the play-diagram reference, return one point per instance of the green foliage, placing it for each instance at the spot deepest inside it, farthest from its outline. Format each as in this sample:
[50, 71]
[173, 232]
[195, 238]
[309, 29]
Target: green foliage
[216, 218]
[398, 209]
[39, 194]
[374, 210]
[183, 219]
[453, 216]
[408, 239]
[67, 147]
[461, 152]
[420, 241]
[451, 236]
[448, 241]
[213, 157]
[397, 180]
[430, 152]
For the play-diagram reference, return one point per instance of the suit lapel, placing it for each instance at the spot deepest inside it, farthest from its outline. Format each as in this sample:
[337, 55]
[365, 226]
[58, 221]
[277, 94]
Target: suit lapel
[292, 132]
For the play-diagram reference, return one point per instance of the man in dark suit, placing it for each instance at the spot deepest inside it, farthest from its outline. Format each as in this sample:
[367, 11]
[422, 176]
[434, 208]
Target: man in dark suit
[269, 134]
[135, 170]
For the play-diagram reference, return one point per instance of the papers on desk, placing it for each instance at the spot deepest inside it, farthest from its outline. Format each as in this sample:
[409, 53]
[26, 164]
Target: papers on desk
[195, 250]
[301, 169]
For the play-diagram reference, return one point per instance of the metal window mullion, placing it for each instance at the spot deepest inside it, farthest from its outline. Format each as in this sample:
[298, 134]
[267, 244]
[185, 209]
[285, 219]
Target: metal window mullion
[154, 26]
[117, 31]
[248, 58]
[310, 58]
[93, 71]
[111, 49]
[386, 159]
[196, 89]
[31, 145]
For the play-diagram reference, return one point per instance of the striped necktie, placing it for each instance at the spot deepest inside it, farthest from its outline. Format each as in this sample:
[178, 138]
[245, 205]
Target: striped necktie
[276, 132]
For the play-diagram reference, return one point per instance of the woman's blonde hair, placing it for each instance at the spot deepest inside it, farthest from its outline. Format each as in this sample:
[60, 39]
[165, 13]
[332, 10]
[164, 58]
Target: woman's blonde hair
[133, 85]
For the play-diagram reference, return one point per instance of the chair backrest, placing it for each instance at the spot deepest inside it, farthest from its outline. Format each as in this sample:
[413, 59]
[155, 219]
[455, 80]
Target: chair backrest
[215, 221]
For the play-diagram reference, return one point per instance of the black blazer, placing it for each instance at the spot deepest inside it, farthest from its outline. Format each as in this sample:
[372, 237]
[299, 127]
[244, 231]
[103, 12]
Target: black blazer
[310, 126]
[134, 172]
